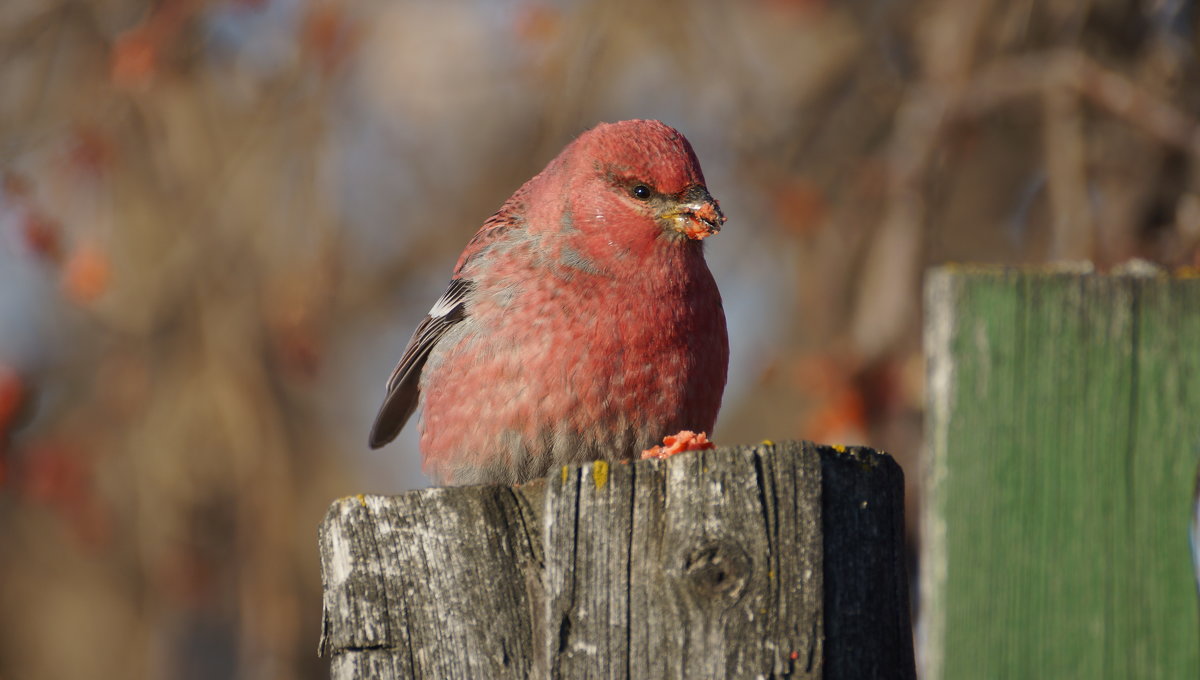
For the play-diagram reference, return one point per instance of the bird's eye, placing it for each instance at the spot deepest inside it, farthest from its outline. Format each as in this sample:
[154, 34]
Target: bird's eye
[641, 192]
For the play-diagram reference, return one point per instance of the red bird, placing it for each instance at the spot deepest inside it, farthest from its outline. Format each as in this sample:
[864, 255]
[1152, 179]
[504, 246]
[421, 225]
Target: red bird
[581, 322]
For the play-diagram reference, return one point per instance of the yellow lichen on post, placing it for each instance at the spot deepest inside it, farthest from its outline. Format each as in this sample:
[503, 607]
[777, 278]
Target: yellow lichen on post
[600, 473]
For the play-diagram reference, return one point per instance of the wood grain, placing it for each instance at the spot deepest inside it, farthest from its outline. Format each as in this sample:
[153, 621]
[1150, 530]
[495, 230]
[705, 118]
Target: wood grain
[1063, 448]
[770, 561]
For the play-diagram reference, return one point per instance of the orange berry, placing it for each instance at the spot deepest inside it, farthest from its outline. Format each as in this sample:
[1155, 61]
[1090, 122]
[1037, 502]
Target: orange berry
[85, 275]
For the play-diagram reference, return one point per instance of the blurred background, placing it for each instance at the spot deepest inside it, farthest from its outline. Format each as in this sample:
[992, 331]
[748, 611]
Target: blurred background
[220, 220]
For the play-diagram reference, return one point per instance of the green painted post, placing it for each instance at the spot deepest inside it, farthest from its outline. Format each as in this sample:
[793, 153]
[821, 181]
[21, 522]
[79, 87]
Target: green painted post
[1064, 436]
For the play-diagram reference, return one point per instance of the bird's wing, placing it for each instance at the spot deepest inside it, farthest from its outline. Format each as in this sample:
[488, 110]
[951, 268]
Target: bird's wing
[403, 384]
[503, 224]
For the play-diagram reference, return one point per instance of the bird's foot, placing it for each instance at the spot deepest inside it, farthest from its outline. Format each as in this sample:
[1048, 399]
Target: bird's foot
[686, 440]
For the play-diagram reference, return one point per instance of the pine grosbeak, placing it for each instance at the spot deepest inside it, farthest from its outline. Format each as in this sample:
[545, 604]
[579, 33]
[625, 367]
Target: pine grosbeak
[581, 322]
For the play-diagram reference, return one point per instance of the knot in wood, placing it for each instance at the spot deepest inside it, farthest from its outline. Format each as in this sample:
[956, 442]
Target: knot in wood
[718, 569]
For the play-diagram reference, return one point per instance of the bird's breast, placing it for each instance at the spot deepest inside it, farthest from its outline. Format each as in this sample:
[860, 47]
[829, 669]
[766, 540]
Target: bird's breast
[567, 358]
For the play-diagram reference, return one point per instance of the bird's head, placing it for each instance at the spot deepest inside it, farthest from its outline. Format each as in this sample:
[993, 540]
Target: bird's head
[638, 181]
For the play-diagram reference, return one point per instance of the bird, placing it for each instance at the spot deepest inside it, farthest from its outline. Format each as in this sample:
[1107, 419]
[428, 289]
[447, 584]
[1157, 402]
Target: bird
[581, 321]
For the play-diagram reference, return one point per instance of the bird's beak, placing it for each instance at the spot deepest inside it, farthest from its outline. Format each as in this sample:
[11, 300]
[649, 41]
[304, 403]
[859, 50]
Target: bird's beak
[693, 213]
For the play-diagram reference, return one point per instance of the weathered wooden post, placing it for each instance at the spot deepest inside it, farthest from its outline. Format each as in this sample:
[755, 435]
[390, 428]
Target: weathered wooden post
[1064, 435]
[768, 561]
